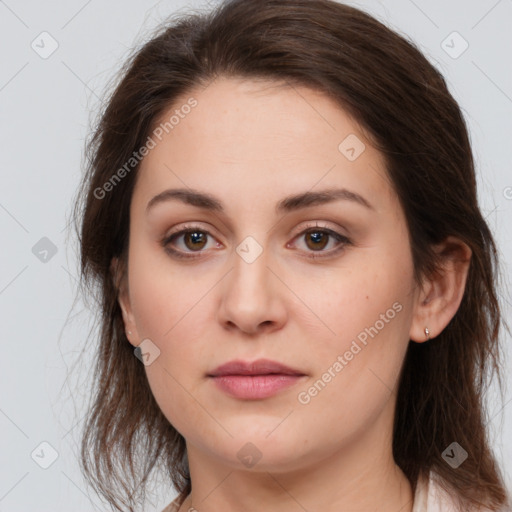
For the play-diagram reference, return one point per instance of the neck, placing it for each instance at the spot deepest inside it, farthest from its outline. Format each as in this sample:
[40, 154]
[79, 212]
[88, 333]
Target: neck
[346, 480]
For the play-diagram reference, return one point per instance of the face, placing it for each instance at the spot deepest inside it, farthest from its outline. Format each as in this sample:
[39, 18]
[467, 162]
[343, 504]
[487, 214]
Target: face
[269, 269]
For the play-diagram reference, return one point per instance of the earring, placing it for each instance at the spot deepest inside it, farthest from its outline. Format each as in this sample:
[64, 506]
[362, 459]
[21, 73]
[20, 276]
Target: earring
[427, 333]
[129, 332]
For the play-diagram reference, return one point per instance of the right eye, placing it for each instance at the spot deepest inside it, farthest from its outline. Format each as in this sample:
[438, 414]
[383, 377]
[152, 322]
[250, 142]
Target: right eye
[193, 238]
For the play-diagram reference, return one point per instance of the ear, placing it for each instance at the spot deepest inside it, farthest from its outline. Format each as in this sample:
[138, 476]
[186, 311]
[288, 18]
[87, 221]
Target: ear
[119, 275]
[441, 294]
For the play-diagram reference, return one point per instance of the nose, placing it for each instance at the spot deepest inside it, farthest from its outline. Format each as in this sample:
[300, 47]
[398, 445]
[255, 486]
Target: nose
[252, 297]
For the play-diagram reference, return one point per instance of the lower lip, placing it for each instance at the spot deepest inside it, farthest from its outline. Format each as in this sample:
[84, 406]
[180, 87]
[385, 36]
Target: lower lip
[254, 387]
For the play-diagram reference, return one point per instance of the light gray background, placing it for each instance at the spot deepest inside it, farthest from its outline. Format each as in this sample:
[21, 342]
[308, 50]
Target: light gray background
[46, 109]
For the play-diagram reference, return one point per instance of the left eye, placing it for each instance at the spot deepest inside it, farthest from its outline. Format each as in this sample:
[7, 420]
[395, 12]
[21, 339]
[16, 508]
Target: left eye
[318, 239]
[195, 240]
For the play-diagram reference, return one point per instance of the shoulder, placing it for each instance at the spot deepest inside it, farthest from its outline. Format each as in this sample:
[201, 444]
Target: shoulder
[431, 497]
[174, 506]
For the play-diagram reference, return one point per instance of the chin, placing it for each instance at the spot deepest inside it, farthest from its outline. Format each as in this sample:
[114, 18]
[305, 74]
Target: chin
[261, 452]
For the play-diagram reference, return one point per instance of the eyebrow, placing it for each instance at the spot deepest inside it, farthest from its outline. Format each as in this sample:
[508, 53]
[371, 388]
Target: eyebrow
[286, 205]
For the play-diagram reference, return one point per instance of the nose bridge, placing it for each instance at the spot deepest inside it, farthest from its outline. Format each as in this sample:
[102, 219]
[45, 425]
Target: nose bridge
[250, 275]
[250, 297]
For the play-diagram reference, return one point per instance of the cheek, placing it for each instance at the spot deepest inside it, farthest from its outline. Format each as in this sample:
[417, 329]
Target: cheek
[370, 313]
[371, 298]
[168, 310]
[357, 371]
[176, 374]
[161, 294]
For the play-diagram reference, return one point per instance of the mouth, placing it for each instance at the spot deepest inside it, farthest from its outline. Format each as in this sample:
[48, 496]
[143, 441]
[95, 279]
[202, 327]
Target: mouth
[254, 380]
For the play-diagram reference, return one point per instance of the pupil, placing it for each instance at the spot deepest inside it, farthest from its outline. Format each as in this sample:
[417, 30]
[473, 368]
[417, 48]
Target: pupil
[317, 237]
[196, 236]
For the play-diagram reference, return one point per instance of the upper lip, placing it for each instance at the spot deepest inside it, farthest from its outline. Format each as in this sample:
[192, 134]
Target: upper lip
[258, 367]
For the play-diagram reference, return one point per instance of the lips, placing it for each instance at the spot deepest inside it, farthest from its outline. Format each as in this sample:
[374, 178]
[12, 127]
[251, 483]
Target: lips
[255, 380]
[259, 367]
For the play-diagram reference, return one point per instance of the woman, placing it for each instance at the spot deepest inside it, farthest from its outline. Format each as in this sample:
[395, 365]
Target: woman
[297, 285]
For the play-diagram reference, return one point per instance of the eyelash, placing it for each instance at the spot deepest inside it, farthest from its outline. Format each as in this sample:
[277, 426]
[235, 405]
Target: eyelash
[343, 241]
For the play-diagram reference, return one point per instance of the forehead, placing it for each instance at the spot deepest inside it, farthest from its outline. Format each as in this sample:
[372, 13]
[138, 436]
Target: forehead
[258, 138]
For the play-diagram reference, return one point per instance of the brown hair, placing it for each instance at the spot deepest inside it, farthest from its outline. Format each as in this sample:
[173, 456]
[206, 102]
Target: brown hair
[391, 89]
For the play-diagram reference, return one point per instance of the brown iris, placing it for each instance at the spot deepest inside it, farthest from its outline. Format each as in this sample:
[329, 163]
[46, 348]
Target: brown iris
[318, 237]
[196, 237]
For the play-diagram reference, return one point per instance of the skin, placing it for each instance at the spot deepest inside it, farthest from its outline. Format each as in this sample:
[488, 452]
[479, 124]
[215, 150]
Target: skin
[252, 143]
